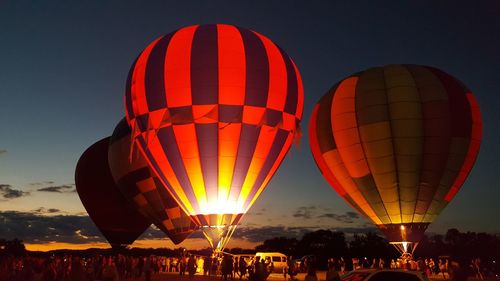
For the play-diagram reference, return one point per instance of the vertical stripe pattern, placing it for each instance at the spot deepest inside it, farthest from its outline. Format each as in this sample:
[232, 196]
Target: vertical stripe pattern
[397, 142]
[215, 109]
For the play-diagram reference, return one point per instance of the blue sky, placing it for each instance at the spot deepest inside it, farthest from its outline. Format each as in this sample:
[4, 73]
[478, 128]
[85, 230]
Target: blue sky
[63, 67]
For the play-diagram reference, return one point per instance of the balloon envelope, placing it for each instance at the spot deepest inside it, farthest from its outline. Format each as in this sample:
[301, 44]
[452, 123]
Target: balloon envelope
[143, 189]
[214, 108]
[397, 142]
[113, 215]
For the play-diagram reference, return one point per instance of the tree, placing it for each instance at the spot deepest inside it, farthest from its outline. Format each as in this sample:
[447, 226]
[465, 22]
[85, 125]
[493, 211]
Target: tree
[13, 247]
[370, 245]
[323, 244]
[283, 245]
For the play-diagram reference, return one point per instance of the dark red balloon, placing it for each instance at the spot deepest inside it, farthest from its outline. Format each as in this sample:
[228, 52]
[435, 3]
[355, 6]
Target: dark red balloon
[117, 220]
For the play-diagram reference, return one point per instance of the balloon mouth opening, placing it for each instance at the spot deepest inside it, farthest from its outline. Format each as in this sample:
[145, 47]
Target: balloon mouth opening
[405, 249]
[218, 235]
[217, 228]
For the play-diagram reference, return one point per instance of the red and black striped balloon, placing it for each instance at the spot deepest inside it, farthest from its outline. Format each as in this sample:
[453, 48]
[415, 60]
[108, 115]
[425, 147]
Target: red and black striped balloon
[215, 109]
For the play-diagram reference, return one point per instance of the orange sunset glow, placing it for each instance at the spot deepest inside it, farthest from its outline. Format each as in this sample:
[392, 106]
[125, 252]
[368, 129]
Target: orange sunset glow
[190, 244]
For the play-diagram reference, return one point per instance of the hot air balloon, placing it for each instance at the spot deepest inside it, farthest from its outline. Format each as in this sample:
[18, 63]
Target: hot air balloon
[113, 215]
[143, 189]
[214, 109]
[397, 143]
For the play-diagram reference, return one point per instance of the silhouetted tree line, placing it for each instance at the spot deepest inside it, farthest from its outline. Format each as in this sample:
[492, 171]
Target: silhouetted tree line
[13, 247]
[461, 244]
[324, 244]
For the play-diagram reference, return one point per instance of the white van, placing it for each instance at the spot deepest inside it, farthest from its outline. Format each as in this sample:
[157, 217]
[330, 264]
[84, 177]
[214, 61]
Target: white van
[278, 259]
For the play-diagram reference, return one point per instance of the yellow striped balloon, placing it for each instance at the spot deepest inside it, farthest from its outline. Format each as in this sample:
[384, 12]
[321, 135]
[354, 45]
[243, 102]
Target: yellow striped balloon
[397, 143]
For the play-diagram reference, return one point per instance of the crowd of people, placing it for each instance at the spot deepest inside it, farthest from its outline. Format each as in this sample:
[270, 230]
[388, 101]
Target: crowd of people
[122, 267]
[69, 267]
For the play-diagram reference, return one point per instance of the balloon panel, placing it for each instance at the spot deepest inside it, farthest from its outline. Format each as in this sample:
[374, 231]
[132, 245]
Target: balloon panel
[214, 108]
[397, 142]
[139, 184]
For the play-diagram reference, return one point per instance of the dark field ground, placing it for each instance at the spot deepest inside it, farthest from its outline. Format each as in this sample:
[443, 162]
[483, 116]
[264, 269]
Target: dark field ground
[272, 277]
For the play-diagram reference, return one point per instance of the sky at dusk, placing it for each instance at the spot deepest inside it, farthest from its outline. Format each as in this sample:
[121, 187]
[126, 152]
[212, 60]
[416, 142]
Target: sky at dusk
[63, 66]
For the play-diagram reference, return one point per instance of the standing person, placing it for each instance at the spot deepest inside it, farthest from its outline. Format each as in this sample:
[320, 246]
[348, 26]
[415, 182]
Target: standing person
[207, 265]
[109, 272]
[182, 265]
[311, 274]
[251, 269]
[342, 265]
[120, 266]
[269, 267]
[259, 270]
[421, 266]
[50, 272]
[140, 266]
[456, 271]
[167, 264]
[191, 267]
[355, 263]
[442, 268]
[332, 274]
[381, 263]
[215, 265]
[224, 268]
[147, 268]
[170, 264]
[476, 266]
[242, 267]
[235, 265]
[155, 262]
[230, 264]
[77, 273]
[292, 268]
[432, 266]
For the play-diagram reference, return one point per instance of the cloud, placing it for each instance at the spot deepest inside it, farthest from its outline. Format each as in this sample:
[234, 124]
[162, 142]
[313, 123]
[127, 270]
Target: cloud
[43, 210]
[259, 234]
[7, 192]
[45, 225]
[353, 215]
[257, 213]
[38, 227]
[348, 217]
[3, 151]
[33, 227]
[58, 188]
[41, 183]
[305, 212]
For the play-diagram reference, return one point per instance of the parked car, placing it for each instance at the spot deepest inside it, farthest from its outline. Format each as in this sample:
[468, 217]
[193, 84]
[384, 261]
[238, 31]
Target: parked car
[383, 275]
